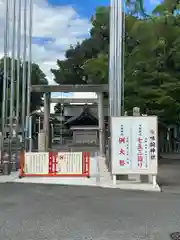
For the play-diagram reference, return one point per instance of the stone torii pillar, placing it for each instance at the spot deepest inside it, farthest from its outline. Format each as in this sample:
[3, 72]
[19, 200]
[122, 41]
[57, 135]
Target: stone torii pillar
[47, 99]
[101, 123]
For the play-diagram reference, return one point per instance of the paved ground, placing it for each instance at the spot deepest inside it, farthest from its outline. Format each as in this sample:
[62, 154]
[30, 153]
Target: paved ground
[169, 175]
[51, 212]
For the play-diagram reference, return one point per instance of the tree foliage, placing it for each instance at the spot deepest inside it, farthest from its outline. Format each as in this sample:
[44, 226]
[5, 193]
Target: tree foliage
[151, 58]
[37, 77]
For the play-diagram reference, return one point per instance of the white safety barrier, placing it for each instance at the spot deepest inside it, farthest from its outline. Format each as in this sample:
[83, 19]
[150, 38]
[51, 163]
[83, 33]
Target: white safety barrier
[36, 163]
[55, 164]
[69, 163]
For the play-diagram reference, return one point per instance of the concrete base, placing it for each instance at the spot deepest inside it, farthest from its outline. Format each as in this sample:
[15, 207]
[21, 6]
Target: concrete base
[130, 185]
[14, 177]
[125, 185]
[58, 180]
[9, 178]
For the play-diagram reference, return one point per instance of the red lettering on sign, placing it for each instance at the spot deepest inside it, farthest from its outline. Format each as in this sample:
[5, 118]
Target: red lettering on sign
[140, 152]
[139, 146]
[122, 140]
[140, 158]
[140, 140]
[121, 162]
[140, 164]
[122, 152]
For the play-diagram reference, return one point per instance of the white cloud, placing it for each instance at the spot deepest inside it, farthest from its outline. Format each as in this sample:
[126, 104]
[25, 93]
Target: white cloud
[80, 95]
[61, 25]
[75, 95]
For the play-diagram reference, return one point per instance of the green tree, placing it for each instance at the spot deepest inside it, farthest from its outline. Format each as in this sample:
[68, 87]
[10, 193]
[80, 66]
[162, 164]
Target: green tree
[71, 70]
[37, 77]
[152, 58]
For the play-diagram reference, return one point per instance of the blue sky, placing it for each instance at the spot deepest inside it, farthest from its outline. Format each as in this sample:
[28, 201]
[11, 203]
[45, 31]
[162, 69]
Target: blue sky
[84, 7]
[87, 7]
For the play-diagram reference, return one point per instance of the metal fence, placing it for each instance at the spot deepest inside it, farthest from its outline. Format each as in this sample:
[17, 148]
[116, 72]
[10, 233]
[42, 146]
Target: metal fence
[169, 139]
[169, 146]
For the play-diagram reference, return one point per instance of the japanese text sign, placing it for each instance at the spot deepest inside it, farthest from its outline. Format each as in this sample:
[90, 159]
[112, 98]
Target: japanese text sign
[134, 145]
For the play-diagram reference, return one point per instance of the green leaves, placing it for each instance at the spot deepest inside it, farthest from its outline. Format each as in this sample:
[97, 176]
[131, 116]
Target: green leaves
[152, 58]
[37, 78]
[97, 69]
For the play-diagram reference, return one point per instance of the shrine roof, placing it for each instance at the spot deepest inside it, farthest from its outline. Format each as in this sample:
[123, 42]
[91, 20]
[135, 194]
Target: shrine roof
[85, 115]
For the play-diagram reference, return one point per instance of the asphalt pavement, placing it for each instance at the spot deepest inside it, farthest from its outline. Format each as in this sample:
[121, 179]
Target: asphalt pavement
[53, 212]
[169, 175]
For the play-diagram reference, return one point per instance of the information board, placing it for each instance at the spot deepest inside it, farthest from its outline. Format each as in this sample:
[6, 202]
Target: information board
[134, 145]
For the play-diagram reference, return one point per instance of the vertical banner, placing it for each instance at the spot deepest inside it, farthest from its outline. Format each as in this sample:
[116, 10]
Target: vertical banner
[140, 145]
[134, 145]
[121, 138]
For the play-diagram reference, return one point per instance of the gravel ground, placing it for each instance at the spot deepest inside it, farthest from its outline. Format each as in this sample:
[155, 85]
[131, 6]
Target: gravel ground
[51, 212]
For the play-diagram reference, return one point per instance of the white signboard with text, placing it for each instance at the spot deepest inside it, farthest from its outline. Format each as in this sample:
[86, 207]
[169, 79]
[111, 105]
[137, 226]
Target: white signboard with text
[134, 145]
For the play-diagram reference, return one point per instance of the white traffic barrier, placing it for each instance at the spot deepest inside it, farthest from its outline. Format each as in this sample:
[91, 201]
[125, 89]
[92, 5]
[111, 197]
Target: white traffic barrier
[55, 164]
[36, 163]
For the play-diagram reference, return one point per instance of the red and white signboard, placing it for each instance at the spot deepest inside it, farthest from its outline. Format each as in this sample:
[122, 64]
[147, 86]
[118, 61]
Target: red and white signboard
[140, 145]
[134, 145]
[56, 164]
[123, 139]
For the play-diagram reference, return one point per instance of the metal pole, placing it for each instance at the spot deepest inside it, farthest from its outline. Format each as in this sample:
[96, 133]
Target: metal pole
[8, 70]
[115, 62]
[112, 75]
[18, 72]
[115, 58]
[30, 133]
[115, 93]
[12, 79]
[24, 78]
[5, 80]
[119, 49]
[30, 7]
[112, 59]
[111, 66]
[61, 121]
[46, 132]
[39, 123]
[111, 71]
[52, 133]
[123, 56]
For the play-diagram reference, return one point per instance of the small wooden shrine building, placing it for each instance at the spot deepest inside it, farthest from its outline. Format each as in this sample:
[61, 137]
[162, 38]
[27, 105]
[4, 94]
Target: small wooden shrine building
[84, 127]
